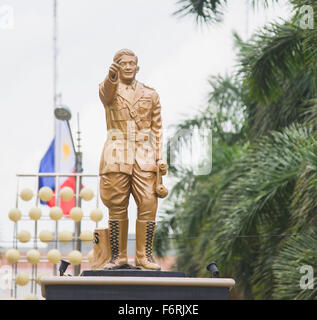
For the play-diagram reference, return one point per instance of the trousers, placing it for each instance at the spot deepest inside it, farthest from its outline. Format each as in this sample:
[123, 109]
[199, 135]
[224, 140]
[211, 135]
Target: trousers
[116, 187]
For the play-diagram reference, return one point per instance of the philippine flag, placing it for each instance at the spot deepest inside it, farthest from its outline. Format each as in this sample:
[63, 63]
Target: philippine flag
[60, 158]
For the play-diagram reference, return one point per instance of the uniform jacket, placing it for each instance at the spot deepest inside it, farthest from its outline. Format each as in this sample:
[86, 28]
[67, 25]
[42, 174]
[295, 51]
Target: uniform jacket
[134, 127]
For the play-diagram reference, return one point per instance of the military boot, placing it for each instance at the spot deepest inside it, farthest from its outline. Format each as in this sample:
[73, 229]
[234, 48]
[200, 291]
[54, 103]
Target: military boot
[144, 243]
[118, 237]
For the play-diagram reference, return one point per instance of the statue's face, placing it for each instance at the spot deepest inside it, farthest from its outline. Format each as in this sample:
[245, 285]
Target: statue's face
[128, 68]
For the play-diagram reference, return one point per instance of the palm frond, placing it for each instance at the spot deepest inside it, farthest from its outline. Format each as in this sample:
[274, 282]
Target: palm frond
[304, 206]
[270, 58]
[204, 10]
[297, 252]
[208, 11]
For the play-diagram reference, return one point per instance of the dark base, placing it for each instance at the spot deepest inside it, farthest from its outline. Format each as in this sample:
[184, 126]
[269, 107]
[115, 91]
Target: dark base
[137, 292]
[149, 285]
[132, 273]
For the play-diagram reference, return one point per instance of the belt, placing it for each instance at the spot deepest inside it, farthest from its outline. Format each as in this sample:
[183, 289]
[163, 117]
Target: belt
[124, 136]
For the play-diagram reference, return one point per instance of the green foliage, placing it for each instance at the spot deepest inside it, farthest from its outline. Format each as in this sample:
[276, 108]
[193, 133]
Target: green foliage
[255, 212]
[297, 251]
[255, 209]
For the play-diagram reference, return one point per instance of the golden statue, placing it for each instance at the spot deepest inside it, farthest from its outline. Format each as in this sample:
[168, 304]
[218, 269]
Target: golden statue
[131, 160]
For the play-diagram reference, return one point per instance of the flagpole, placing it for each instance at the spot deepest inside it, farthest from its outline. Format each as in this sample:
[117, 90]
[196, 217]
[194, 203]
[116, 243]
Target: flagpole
[78, 153]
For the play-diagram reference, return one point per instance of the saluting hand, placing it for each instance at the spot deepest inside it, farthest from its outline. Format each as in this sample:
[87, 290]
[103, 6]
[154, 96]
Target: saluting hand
[114, 71]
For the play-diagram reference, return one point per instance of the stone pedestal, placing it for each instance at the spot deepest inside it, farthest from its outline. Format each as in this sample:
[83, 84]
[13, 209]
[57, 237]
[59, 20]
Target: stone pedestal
[135, 285]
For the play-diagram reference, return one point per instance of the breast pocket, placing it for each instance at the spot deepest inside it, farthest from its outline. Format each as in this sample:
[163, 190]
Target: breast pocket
[145, 108]
[120, 112]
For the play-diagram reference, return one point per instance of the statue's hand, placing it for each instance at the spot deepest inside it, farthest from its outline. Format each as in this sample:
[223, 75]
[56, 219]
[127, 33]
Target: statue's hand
[114, 71]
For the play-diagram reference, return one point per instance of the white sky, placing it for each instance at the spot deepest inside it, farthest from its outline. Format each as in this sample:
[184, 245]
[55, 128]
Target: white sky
[175, 57]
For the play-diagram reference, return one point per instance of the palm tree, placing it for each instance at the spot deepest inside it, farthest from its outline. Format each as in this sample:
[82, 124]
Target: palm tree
[254, 214]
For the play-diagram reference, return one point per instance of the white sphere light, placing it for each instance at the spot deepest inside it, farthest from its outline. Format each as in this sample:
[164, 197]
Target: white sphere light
[65, 236]
[90, 256]
[76, 214]
[35, 213]
[67, 193]
[13, 256]
[24, 236]
[22, 279]
[54, 256]
[15, 214]
[46, 236]
[56, 213]
[86, 236]
[46, 194]
[86, 194]
[75, 257]
[26, 194]
[33, 256]
[96, 215]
